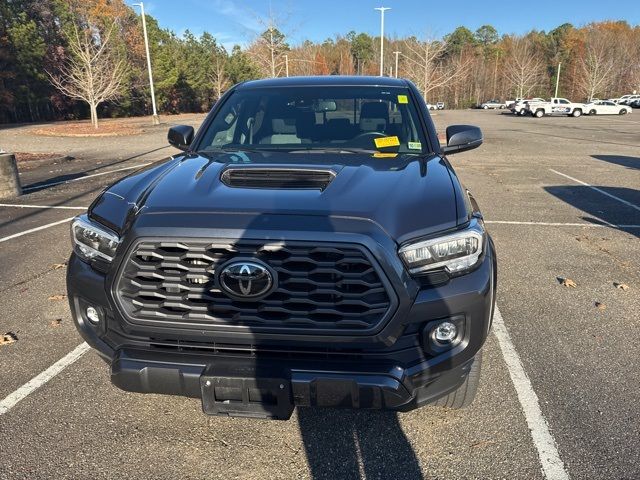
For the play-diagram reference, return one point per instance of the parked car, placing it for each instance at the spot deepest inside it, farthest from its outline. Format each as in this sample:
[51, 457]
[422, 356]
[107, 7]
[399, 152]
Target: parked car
[605, 107]
[635, 104]
[520, 107]
[492, 104]
[556, 106]
[628, 99]
[440, 105]
[275, 263]
[624, 98]
[431, 106]
[511, 103]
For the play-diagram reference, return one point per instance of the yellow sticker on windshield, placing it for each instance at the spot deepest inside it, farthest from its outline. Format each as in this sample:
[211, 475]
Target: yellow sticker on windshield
[403, 99]
[384, 155]
[387, 142]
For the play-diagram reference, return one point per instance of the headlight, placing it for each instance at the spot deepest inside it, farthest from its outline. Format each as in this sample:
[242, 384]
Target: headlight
[456, 252]
[90, 240]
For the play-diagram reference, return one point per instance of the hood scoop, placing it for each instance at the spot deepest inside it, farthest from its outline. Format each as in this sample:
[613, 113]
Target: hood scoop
[285, 178]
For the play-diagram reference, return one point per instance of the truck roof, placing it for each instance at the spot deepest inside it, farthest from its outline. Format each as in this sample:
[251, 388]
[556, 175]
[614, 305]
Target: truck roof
[326, 80]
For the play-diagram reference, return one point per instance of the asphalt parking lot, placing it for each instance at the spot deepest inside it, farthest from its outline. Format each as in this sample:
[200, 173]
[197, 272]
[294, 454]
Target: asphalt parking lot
[560, 382]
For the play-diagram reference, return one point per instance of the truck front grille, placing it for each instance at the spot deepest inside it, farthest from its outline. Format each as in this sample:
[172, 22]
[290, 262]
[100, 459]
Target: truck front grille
[320, 287]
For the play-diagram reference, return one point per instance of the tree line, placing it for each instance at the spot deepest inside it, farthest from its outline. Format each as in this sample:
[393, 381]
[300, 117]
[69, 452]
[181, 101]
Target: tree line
[67, 59]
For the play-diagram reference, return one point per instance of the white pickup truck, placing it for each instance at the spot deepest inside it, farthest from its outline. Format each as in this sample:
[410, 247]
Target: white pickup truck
[556, 106]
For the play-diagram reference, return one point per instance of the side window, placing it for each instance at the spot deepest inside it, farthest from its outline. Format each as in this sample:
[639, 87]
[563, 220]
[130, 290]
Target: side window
[564, 102]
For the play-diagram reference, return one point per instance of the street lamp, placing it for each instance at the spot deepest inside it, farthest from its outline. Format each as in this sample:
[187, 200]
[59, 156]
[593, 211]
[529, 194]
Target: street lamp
[156, 120]
[286, 64]
[382, 10]
[397, 53]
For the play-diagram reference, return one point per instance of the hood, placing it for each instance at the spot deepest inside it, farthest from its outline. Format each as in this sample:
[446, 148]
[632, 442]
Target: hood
[398, 194]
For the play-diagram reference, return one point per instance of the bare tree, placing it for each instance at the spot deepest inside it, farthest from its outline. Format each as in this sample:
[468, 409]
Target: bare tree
[269, 48]
[218, 75]
[92, 72]
[426, 64]
[524, 68]
[597, 64]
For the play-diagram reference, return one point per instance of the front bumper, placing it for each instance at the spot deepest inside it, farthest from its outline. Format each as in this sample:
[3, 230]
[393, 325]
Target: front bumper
[260, 381]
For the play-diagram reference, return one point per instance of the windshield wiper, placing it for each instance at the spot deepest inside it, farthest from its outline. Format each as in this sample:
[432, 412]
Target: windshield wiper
[335, 150]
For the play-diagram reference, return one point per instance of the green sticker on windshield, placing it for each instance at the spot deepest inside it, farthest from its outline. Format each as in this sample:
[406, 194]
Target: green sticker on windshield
[414, 146]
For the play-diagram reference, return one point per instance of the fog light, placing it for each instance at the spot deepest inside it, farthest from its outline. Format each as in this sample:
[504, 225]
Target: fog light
[445, 332]
[93, 315]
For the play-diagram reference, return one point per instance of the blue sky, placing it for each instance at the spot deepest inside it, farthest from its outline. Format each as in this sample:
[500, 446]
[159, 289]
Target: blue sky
[234, 21]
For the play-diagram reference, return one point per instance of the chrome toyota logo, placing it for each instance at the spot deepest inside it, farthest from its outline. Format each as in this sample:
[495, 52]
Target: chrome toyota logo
[246, 280]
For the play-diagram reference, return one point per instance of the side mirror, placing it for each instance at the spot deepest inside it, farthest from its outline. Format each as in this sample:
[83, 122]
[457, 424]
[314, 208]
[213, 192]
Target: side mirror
[461, 138]
[180, 136]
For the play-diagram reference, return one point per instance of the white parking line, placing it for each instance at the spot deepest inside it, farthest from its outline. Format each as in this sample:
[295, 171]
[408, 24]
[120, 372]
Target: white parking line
[51, 184]
[599, 190]
[561, 224]
[39, 380]
[61, 207]
[552, 466]
[16, 235]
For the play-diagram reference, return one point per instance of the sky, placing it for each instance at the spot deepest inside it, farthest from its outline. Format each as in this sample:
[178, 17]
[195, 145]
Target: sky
[237, 21]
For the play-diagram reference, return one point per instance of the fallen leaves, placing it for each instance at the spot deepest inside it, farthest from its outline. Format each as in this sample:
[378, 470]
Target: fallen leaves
[600, 306]
[56, 323]
[58, 266]
[60, 296]
[8, 338]
[621, 286]
[567, 282]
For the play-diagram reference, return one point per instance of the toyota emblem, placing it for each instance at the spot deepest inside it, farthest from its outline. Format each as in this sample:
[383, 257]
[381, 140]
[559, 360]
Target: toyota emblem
[246, 280]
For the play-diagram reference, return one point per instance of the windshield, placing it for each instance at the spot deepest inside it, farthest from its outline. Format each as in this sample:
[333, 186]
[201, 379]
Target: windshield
[316, 119]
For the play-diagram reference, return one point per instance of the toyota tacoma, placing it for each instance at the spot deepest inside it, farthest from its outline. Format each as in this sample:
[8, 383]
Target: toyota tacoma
[310, 245]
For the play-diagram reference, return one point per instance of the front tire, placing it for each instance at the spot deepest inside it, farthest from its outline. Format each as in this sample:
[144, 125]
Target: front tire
[486, 107]
[463, 396]
[576, 113]
[539, 114]
[623, 111]
[593, 112]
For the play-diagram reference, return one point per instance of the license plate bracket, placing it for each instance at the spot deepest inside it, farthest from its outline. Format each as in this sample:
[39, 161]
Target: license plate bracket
[246, 392]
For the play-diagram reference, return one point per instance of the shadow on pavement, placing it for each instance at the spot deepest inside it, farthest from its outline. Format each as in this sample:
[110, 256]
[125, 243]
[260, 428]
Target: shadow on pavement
[356, 444]
[623, 160]
[43, 184]
[595, 205]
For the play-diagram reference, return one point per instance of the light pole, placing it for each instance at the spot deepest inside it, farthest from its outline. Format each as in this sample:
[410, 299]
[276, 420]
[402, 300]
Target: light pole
[397, 54]
[286, 64]
[382, 10]
[558, 79]
[156, 120]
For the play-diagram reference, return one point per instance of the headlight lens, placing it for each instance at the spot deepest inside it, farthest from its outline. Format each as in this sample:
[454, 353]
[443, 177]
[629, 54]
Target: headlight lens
[456, 252]
[92, 241]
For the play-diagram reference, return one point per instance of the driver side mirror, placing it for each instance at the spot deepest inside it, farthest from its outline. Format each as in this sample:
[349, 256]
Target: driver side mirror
[461, 138]
[180, 136]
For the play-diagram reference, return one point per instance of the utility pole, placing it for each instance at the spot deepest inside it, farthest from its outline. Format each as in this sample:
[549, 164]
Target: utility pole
[558, 79]
[286, 64]
[382, 10]
[156, 120]
[397, 53]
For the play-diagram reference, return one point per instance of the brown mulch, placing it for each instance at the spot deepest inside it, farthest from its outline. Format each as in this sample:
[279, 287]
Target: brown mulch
[30, 157]
[85, 129]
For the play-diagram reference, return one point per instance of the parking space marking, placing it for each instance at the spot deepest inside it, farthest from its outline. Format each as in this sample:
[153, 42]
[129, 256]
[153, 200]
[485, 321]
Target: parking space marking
[61, 207]
[52, 184]
[552, 466]
[561, 224]
[39, 380]
[599, 190]
[19, 234]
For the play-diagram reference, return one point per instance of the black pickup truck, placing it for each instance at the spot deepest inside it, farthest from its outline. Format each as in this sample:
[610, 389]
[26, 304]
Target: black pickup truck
[311, 246]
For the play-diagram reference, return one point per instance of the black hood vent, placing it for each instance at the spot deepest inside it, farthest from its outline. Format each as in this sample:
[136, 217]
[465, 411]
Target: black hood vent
[263, 177]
